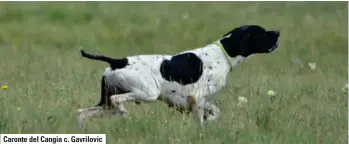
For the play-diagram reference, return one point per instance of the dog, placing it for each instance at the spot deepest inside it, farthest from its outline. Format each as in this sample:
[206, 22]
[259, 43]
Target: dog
[186, 81]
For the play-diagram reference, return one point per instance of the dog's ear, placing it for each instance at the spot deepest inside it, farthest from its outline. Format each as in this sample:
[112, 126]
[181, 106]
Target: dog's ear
[235, 40]
[236, 31]
[244, 43]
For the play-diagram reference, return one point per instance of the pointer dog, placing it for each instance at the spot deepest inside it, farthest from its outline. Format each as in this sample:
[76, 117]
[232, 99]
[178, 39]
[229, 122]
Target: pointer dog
[185, 81]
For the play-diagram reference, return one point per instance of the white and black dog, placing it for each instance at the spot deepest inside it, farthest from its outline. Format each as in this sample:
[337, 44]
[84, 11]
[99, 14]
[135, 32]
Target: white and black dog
[185, 81]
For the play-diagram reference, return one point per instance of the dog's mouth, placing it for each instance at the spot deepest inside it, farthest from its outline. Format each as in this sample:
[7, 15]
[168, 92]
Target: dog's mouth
[274, 46]
[275, 36]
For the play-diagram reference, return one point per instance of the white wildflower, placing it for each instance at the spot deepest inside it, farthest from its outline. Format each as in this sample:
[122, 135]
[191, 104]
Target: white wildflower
[271, 93]
[185, 16]
[312, 65]
[242, 101]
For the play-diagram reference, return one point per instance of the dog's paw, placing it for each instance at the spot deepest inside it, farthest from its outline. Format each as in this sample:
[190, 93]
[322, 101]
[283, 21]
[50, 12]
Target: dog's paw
[80, 120]
[80, 111]
[124, 113]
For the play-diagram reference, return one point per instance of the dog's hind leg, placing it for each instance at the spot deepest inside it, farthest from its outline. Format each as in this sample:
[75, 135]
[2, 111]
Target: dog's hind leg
[106, 92]
[103, 107]
[138, 88]
[86, 113]
[137, 95]
[118, 101]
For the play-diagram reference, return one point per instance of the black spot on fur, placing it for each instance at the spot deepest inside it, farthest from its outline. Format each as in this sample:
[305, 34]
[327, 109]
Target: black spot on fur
[173, 91]
[121, 63]
[210, 67]
[205, 54]
[184, 68]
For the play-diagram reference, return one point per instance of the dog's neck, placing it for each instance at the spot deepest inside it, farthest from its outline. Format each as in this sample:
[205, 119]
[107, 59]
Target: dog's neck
[232, 61]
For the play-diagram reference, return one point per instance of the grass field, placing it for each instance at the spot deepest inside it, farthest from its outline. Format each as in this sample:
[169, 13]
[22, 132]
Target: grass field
[48, 80]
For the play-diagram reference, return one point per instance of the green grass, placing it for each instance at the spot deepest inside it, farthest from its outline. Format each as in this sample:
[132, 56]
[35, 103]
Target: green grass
[49, 79]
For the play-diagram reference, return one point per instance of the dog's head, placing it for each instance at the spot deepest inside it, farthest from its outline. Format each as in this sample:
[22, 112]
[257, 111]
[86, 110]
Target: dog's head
[249, 39]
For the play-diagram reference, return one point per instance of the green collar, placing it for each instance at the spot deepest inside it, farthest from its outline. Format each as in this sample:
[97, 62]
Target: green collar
[225, 53]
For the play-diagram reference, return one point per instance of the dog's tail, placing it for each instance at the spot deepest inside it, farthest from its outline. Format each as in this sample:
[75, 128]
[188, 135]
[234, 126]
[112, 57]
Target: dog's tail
[114, 63]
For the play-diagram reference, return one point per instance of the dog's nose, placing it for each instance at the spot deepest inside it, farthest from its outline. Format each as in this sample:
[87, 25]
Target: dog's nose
[277, 33]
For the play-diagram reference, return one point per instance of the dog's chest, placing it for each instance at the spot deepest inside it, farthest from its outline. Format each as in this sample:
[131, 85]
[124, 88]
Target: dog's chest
[177, 95]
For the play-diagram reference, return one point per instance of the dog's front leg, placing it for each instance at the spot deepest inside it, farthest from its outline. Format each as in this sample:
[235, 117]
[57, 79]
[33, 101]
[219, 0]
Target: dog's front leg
[198, 106]
[212, 112]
